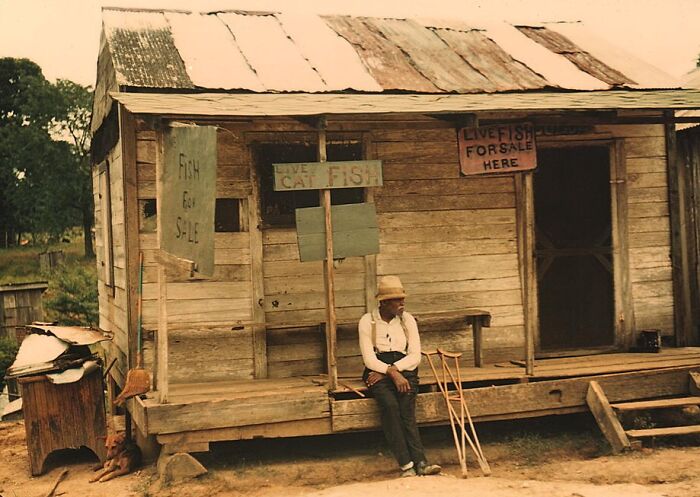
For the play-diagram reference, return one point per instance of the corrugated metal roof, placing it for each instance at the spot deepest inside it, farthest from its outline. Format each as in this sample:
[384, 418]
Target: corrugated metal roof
[258, 105]
[276, 52]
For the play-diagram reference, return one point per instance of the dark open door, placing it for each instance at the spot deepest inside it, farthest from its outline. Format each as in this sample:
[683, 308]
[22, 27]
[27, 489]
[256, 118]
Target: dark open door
[573, 248]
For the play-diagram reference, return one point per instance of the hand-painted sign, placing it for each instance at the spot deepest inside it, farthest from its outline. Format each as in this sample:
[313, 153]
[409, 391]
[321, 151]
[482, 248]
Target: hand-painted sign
[497, 149]
[355, 231]
[188, 195]
[321, 175]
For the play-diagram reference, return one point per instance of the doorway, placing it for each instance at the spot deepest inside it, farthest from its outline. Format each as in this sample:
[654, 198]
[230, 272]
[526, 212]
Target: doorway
[573, 235]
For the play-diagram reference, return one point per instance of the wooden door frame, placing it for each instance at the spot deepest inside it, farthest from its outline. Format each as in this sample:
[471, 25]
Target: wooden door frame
[622, 288]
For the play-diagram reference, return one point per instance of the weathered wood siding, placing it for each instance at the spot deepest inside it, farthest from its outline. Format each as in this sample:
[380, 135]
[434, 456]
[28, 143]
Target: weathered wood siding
[451, 240]
[20, 306]
[649, 226]
[113, 299]
[207, 337]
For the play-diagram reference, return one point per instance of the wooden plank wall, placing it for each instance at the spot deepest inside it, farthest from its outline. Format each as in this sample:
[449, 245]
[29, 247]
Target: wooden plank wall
[649, 226]
[19, 308]
[451, 239]
[205, 339]
[112, 301]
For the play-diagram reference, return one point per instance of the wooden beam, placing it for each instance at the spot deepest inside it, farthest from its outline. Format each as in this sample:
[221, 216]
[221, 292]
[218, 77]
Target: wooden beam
[606, 418]
[624, 304]
[252, 206]
[522, 400]
[369, 152]
[525, 227]
[328, 272]
[127, 133]
[162, 336]
[677, 198]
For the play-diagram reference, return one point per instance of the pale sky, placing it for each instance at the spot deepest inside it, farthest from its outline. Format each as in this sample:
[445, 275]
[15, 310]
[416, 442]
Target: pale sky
[63, 36]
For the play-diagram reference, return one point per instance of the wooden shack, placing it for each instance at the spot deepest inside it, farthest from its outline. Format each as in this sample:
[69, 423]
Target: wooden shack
[20, 305]
[571, 260]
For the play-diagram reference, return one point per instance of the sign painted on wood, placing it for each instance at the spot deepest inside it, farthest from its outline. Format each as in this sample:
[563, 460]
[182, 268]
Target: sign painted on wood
[322, 175]
[504, 148]
[355, 231]
[188, 195]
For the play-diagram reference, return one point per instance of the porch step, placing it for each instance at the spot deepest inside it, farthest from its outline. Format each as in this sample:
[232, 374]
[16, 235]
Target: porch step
[656, 404]
[664, 432]
[606, 415]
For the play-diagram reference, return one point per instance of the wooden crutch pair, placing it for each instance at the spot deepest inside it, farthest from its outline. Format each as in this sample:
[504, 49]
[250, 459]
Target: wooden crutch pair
[455, 419]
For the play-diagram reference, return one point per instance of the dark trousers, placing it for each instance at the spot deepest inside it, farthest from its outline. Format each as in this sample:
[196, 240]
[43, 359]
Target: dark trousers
[399, 415]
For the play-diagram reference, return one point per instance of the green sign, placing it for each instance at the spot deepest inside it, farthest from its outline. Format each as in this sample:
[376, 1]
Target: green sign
[355, 231]
[188, 195]
[322, 175]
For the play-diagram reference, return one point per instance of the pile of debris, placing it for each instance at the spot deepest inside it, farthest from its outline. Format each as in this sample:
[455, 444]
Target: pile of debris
[62, 353]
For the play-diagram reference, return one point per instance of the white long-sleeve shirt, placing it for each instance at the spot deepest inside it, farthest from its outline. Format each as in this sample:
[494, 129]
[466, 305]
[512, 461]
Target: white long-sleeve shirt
[390, 338]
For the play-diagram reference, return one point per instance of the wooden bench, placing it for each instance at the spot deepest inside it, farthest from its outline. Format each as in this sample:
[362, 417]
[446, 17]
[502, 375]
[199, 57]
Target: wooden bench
[300, 348]
[475, 318]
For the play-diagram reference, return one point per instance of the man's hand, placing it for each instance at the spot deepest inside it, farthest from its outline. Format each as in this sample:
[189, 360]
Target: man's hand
[402, 384]
[374, 377]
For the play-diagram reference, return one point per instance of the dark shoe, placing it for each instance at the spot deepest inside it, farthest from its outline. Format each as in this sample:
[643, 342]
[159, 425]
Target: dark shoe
[425, 469]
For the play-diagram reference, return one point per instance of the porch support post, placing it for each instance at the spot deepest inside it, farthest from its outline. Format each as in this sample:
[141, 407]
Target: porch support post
[331, 321]
[678, 203]
[525, 215]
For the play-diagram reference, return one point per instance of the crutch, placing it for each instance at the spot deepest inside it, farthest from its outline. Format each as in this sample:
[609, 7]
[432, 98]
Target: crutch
[476, 446]
[442, 386]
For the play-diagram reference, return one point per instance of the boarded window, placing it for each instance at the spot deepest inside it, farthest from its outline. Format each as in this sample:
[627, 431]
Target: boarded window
[105, 198]
[277, 208]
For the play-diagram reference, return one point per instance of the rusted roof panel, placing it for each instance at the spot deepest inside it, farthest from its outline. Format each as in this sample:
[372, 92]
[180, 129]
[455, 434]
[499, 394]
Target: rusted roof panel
[558, 43]
[143, 50]
[646, 75]
[386, 62]
[304, 52]
[480, 52]
[431, 57]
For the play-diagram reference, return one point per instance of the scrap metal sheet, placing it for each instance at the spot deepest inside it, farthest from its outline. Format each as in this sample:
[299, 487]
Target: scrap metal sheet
[74, 335]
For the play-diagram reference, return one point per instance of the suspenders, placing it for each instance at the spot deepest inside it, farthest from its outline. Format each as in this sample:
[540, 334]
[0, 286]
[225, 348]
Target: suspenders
[374, 331]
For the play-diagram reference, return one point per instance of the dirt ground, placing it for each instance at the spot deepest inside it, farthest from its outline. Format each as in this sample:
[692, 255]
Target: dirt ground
[561, 456]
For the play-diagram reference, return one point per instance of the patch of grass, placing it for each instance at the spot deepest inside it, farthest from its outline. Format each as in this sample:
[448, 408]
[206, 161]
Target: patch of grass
[21, 264]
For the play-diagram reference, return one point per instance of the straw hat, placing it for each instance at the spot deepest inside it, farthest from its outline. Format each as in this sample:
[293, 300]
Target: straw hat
[390, 287]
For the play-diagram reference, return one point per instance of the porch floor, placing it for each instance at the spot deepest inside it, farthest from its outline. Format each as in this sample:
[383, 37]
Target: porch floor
[232, 410]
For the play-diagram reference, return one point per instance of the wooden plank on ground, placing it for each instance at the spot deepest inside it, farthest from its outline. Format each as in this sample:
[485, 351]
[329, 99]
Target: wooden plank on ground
[664, 432]
[606, 418]
[656, 404]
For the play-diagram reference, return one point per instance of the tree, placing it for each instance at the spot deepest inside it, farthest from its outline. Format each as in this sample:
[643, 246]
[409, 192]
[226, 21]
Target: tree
[45, 177]
[27, 106]
[74, 126]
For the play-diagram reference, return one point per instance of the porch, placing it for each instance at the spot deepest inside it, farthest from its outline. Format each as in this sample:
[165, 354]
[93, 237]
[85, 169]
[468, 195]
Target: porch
[199, 413]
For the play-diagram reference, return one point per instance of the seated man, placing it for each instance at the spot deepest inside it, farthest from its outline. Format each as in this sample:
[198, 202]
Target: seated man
[390, 348]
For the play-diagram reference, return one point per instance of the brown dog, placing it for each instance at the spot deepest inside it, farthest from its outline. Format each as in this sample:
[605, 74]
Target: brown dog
[123, 456]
